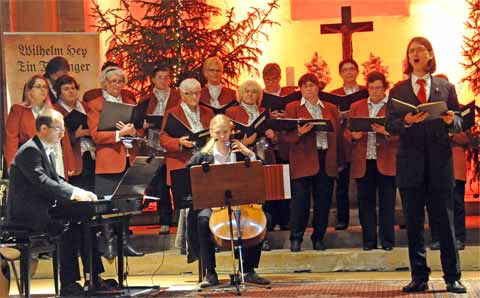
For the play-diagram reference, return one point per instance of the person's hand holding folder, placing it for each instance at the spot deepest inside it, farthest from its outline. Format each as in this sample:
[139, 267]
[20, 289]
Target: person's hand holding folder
[126, 129]
[81, 132]
[184, 142]
[448, 117]
[379, 129]
[411, 118]
[303, 129]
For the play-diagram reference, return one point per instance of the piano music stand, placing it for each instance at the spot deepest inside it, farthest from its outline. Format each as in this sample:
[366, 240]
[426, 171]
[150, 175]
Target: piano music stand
[132, 186]
[223, 185]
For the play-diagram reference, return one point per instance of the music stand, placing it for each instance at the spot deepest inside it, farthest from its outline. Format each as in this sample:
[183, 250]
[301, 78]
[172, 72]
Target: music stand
[223, 185]
[130, 188]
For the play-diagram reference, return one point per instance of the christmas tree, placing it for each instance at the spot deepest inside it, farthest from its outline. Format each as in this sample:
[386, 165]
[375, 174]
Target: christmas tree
[175, 33]
[374, 63]
[319, 67]
[471, 48]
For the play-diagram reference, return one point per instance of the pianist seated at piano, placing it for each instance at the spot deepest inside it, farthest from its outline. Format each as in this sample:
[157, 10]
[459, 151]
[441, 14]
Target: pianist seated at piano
[35, 187]
[220, 149]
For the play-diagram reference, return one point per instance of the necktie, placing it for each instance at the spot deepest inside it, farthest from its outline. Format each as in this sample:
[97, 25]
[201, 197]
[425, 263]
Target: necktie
[422, 92]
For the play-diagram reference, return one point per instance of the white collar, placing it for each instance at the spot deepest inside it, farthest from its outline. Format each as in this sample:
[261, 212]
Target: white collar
[48, 147]
[305, 101]
[109, 97]
[69, 109]
[214, 87]
[383, 101]
[277, 93]
[426, 77]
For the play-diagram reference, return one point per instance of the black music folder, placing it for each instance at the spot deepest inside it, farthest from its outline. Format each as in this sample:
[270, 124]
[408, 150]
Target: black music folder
[74, 119]
[435, 109]
[138, 114]
[258, 126]
[365, 123]
[467, 113]
[278, 103]
[181, 188]
[156, 120]
[222, 109]
[177, 129]
[343, 101]
[112, 113]
[286, 124]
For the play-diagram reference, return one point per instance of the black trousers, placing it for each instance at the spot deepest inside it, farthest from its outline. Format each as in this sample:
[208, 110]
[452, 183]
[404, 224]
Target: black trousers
[86, 179]
[320, 187]
[72, 244]
[158, 188]
[279, 211]
[251, 255]
[441, 202]
[458, 214]
[341, 195]
[367, 187]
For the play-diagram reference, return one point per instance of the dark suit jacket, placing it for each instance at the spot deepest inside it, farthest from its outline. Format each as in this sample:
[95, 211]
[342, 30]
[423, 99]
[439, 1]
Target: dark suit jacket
[34, 187]
[424, 154]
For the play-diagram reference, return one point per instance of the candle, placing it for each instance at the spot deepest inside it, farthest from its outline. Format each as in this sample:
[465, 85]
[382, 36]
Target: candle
[290, 76]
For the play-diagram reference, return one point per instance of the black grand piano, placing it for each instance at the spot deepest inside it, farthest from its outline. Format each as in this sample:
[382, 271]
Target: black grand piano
[126, 200]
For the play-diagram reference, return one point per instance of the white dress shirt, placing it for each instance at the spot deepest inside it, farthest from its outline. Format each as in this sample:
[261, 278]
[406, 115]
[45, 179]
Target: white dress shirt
[316, 111]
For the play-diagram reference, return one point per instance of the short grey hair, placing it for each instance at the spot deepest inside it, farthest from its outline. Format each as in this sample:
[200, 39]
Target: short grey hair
[247, 85]
[189, 84]
[112, 70]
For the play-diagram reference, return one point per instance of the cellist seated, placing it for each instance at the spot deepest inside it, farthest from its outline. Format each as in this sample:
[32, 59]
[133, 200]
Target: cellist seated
[220, 149]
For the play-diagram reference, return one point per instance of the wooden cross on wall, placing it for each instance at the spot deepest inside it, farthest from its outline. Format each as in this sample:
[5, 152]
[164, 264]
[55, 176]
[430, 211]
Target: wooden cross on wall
[347, 28]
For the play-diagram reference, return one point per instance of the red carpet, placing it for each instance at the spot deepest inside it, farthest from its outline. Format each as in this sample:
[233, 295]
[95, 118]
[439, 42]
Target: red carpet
[351, 289]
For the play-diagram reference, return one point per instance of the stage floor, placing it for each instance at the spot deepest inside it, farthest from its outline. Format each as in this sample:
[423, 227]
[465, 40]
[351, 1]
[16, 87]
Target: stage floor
[300, 285]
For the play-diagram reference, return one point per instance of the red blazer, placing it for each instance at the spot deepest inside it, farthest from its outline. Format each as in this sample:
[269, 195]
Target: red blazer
[460, 142]
[239, 114]
[176, 158]
[110, 155]
[20, 127]
[173, 100]
[303, 150]
[344, 149]
[386, 148]
[226, 96]
[97, 92]
[72, 153]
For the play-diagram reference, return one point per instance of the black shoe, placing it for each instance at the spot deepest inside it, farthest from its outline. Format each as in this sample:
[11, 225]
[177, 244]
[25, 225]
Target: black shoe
[369, 246]
[435, 245]
[72, 290]
[129, 251]
[210, 280]
[415, 286]
[284, 228]
[341, 226]
[318, 245]
[105, 284]
[387, 247]
[295, 246]
[266, 245]
[460, 245]
[456, 287]
[253, 278]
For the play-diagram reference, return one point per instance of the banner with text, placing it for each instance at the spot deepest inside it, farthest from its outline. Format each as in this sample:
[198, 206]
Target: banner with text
[27, 54]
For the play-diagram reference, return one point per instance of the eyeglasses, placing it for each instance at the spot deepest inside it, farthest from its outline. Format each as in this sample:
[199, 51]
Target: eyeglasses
[39, 87]
[417, 50]
[116, 82]
[58, 129]
[192, 93]
[376, 88]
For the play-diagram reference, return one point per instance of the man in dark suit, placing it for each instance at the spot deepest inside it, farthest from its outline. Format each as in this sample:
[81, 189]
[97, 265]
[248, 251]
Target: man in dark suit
[35, 187]
[424, 164]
